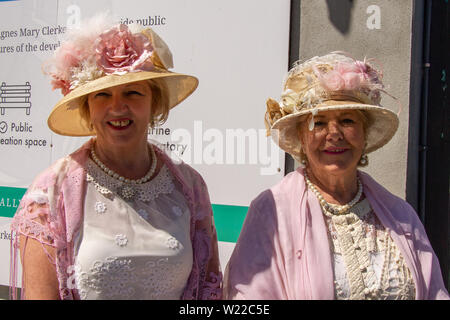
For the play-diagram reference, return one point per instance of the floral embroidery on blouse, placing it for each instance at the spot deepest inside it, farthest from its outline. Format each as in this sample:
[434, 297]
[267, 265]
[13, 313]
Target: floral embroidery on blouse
[121, 240]
[100, 207]
[173, 243]
[119, 278]
[140, 271]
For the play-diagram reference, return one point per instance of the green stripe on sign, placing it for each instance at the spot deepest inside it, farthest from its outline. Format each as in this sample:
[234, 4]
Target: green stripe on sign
[9, 200]
[228, 221]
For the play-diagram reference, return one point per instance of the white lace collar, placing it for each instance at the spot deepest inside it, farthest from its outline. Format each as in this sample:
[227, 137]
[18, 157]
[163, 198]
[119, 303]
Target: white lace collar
[111, 187]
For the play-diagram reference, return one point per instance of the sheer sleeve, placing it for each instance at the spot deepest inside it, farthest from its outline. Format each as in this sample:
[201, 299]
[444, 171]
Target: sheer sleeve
[205, 281]
[205, 244]
[36, 219]
[32, 218]
[32, 221]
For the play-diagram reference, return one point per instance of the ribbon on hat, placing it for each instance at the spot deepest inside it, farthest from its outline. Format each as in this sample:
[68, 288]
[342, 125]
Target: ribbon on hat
[161, 55]
[273, 113]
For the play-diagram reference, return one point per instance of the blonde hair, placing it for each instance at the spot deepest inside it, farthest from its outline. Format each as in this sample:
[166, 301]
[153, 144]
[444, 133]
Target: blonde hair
[160, 102]
[159, 111]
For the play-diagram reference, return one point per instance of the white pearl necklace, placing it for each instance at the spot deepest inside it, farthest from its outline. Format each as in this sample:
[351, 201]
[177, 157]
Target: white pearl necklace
[333, 208]
[121, 178]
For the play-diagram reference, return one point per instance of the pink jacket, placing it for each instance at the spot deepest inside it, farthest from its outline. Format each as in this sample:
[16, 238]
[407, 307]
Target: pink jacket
[52, 212]
[283, 250]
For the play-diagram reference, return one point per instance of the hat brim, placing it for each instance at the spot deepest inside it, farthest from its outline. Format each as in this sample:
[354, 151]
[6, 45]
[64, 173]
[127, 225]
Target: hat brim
[65, 118]
[383, 123]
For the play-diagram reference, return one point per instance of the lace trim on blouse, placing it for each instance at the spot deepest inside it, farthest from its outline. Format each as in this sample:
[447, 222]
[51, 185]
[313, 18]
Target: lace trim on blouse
[367, 263]
[118, 278]
[110, 187]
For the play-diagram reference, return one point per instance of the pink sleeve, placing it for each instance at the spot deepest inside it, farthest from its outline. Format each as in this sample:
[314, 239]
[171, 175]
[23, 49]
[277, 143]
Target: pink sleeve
[36, 216]
[253, 272]
[33, 221]
[397, 214]
[205, 282]
[205, 239]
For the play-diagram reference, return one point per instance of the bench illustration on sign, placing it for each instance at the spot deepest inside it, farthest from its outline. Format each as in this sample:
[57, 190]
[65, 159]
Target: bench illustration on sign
[15, 96]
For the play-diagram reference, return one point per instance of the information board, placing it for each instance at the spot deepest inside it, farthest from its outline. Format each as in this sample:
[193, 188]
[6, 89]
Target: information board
[237, 49]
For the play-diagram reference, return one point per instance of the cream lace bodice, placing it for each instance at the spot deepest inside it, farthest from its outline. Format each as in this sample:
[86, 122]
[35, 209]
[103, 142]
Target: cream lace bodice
[134, 249]
[367, 263]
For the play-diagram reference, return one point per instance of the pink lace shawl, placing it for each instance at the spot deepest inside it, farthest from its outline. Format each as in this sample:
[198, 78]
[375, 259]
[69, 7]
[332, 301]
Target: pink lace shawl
[51, 212]
[283, 250]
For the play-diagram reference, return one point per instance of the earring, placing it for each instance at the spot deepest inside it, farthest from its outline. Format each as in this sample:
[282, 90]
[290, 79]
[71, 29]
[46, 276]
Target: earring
[302, 157]
[304, 160]
[364, 161]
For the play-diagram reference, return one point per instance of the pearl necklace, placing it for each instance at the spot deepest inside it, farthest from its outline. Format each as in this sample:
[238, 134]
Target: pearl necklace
[127, 191]
[333, 208]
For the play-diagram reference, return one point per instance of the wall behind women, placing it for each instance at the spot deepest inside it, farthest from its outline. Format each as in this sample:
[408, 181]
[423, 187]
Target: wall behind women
[373, 29]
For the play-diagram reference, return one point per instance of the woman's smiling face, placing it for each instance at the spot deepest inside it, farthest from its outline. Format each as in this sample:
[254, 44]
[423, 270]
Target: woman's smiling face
[121, 114]
[336, 143]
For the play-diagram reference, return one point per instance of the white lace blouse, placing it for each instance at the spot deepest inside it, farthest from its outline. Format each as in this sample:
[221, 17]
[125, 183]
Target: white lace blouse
[367, 264]
[138, 248]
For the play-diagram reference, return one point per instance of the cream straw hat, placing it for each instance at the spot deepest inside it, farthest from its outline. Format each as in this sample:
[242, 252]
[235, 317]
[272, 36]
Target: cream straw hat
[101, 55]
[330, 82]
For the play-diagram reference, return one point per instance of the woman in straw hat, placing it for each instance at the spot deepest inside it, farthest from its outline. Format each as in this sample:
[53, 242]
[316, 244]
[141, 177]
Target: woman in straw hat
[328, 230]
[116, 219]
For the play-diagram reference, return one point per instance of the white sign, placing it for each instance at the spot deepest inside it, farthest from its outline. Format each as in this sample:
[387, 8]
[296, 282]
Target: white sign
[237, 49]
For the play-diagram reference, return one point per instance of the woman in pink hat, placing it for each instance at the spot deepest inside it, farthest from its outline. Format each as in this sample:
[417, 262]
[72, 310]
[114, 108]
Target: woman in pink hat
[328, 230]
[118, 218]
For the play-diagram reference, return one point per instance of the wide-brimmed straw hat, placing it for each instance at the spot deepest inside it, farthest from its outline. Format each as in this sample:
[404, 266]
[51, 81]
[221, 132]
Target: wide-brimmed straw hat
[331, 82]
[101, 55]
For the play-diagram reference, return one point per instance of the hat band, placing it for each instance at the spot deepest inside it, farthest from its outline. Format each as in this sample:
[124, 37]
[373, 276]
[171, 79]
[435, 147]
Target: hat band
[293, 103]
[325, 96]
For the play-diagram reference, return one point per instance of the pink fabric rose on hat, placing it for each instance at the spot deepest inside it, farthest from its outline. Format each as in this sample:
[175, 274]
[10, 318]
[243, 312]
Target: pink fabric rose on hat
[351, 80]
[118, 51]
[331, 81]
[349, 76]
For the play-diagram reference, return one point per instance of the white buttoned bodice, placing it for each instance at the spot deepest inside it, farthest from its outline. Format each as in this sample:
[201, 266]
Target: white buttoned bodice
[138, 248]
[366, 262]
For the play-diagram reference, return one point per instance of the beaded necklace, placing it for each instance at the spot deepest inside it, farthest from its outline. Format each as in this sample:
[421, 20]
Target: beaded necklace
[128, 191]
[333, 208]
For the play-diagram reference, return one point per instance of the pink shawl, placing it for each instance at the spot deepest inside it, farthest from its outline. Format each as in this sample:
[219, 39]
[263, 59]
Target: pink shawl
[283, 250]
[51, 212]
